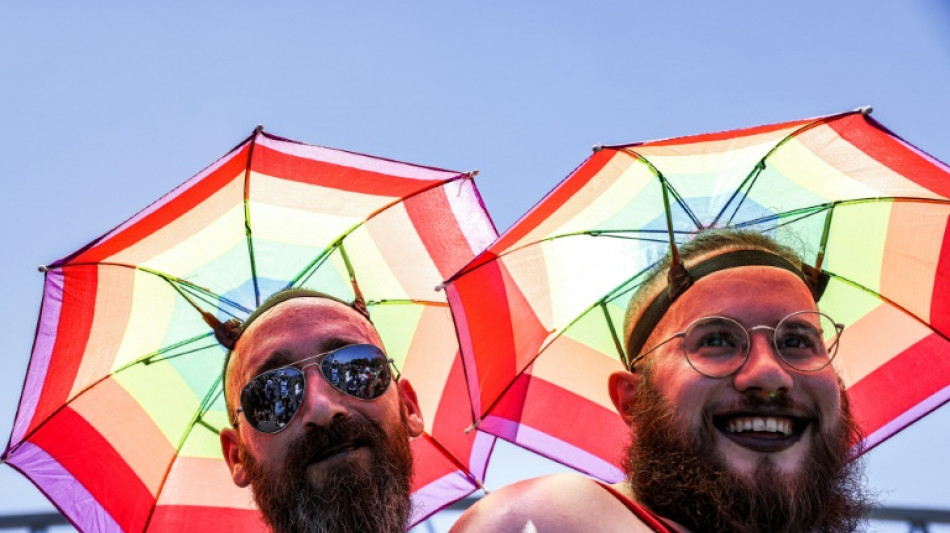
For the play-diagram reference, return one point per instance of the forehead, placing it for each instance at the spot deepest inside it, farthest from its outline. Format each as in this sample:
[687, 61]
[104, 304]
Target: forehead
[753, 295]
[299, 328]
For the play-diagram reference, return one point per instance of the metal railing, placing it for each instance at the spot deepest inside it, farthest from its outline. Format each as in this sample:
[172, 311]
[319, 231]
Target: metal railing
[35, 523]
[917, 520]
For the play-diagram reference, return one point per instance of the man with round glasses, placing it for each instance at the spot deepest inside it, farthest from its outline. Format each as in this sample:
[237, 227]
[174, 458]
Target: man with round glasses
[738, 420]
[321, 450]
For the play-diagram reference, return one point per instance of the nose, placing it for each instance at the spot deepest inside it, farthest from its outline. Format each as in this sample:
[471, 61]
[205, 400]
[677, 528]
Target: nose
[321, 402]
[763, 370]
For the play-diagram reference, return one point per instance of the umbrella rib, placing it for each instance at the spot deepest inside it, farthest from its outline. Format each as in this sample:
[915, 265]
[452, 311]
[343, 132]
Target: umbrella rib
[198, 289]
[89, 387]
[682, 203]
[99, 239]
[557, 334]
[746, 184]
[209, 297]
[248, 235]
[666, 186]
[203, 407]
[406, 301]
[614, 234]
[887, 300]
[753, 175]
[147, 359]
[318, 261]
[358, 301]
[823, 243]
[813, 209]
[799, 214]
[613, 334]
[458, 464]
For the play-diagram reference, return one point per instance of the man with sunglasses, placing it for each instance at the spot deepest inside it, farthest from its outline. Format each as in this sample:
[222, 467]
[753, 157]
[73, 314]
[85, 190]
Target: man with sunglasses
[738, 420]
[320, 425]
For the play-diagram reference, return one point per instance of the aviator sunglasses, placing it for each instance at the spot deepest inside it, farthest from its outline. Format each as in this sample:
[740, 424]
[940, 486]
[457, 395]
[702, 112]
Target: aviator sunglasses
[270, 400]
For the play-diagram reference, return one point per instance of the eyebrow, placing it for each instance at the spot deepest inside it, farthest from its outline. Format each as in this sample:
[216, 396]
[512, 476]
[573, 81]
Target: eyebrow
[274, 360]
[282, 358]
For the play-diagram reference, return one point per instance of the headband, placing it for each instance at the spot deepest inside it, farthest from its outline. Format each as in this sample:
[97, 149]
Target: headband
[680, 279]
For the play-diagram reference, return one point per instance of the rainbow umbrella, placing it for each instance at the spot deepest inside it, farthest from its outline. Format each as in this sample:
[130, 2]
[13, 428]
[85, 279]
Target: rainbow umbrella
[119, 417]
[540, 312]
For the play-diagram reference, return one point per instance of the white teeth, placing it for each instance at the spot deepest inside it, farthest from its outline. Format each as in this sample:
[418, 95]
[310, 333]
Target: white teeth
[760, 424]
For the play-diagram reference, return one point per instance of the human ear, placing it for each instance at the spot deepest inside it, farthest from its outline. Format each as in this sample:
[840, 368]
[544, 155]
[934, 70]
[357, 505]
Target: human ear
[622, 387]
[231, 448]
[410, 403]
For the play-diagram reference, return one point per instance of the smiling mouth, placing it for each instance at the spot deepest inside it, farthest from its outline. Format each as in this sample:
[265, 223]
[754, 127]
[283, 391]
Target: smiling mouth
[762, 433]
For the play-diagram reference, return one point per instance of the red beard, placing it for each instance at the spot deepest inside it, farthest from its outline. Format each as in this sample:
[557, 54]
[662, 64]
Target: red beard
[355, 498]
[678, 474]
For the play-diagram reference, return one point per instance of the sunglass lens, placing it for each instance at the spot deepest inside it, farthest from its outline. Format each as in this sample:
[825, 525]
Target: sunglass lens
[270, 400]
[360, 370]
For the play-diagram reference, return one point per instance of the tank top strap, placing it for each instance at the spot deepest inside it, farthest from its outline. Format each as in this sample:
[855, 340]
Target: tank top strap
[645, 516]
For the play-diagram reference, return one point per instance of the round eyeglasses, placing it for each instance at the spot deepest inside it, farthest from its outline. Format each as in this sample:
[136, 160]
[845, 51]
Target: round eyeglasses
[718, 346]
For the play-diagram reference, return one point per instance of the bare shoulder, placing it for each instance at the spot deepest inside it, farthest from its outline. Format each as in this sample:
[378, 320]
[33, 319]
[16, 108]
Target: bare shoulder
[560, 502]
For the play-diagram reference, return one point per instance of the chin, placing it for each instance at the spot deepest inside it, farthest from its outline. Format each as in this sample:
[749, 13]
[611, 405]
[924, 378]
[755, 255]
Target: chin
[747, 463]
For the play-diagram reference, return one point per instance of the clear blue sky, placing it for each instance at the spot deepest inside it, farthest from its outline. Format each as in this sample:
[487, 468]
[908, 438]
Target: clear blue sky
[105, 108]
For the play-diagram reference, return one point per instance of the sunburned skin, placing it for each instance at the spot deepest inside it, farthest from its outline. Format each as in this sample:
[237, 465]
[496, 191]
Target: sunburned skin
[812, 401]
[765, 411]
[334, 440]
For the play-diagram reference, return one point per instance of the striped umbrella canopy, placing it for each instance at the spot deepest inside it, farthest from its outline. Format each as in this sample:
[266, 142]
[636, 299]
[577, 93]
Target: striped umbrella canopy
[540, 312]
[119, 417]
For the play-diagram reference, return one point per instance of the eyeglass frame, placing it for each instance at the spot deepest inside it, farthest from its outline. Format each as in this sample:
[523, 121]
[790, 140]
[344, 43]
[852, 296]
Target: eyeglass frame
[839, 328]
[315, 360]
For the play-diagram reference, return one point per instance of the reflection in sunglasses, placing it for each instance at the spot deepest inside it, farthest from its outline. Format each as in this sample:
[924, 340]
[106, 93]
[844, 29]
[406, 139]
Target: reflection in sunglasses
[270, 400]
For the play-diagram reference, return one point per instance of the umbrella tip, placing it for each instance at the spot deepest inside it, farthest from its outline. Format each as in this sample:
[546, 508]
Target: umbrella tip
[439, 287]
[597, 147]
[472, 173]
[258, 129]
[865, 110]
[42, 268]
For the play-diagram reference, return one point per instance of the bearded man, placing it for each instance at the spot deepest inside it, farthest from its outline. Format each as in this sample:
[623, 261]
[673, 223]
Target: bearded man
[320, 450]
[738, 420]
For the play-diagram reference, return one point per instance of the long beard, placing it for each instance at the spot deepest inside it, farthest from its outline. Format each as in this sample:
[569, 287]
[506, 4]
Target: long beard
[353, 497]
[677, 474]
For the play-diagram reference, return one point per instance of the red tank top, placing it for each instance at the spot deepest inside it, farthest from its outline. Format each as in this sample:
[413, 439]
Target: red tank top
[645, 516]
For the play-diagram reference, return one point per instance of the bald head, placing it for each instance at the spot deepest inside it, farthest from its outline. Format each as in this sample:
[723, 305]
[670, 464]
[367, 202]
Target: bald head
[264, 342]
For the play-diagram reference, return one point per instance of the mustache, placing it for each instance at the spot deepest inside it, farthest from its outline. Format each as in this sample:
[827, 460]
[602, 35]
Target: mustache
[346, 430]
[757, 401]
